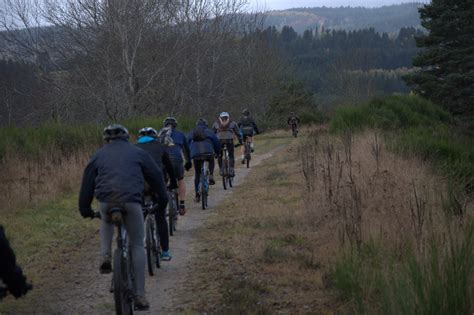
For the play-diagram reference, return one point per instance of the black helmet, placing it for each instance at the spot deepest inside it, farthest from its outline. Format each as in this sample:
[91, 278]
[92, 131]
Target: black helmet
[170, 121]
[115, 131]
[148, 131]
[246, 112]
[202, 122]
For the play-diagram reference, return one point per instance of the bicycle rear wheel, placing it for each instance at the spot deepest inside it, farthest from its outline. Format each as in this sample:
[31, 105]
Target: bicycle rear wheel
[230, 181]
[171, 213]
[149, 246]
[122, 295]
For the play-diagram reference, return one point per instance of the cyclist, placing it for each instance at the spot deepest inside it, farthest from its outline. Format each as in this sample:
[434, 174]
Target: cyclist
[226, 130]
[204, 145]
[10, 273]
[248, 128]
[293, 121]
[176, 152]
[116, 175]
[148, 141]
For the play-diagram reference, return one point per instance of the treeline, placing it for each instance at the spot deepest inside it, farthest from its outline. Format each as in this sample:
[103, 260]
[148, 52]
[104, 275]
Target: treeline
[388, 19]
[112, 60]
[354, 65]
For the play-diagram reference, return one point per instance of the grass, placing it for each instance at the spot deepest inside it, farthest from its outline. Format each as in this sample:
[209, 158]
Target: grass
[53, 138]
[45, 239]
[415, 126]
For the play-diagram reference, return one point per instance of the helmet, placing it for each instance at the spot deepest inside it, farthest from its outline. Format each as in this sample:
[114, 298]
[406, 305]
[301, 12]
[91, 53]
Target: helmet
[201, 122]
[246, 112]
[115, 131]
[148, 131]
[224, 114]
[170, 121]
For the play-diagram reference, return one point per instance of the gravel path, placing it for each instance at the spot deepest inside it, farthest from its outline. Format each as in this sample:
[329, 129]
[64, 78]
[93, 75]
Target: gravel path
[84, 291]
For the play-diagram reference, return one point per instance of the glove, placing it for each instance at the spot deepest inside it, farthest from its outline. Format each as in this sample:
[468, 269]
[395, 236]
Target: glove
[16, 283]
[87, 212]
[188, 165]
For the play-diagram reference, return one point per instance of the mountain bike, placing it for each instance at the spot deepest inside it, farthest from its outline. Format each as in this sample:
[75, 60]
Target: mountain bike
[204, 181]
[294, 130]
[247, 151]
[152, 238]
[122, 278]
[173, 210]
[225, 165]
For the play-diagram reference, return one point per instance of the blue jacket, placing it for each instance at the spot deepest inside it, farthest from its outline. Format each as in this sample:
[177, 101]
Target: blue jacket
[180, 147]
[117, 173]
[209, 146]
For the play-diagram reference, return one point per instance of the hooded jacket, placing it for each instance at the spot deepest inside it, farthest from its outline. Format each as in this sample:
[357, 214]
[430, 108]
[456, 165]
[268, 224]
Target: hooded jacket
[180, 146]
[116, 173]
[159, 154]
[209, 146]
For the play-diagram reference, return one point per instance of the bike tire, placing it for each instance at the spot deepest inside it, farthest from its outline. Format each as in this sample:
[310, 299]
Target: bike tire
[156, 245]
[171, 214]
[123, 302]
[247, 160]
[150, 255]
[230, 179]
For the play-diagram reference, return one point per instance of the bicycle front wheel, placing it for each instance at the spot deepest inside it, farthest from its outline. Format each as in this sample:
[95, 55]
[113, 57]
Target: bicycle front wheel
[150, 250]
[122, 295]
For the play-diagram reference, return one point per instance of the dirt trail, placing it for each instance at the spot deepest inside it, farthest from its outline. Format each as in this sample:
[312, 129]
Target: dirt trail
[84, 291]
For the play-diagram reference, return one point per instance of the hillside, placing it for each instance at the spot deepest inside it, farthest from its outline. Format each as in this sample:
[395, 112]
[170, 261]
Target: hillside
[387, 19]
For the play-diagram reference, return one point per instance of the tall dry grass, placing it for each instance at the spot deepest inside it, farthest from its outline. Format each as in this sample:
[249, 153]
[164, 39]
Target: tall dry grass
[391, 214]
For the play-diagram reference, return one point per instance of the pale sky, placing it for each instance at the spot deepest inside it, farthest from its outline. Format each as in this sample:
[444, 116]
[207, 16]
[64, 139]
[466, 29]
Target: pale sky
[286, 4]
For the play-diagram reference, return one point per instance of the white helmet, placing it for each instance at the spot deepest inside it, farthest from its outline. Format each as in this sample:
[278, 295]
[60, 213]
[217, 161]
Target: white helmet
[224, 114]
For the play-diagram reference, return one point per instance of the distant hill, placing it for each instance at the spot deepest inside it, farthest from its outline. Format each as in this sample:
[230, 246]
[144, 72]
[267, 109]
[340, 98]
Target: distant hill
[388, 19]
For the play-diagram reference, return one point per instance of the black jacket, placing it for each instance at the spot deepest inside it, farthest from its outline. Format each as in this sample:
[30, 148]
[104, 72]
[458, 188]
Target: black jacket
[161, 157]
[247, 121]
[10, 273]
[117, 173]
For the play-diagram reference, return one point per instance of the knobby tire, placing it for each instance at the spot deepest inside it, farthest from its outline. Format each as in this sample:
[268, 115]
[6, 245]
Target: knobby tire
[123, 303]
[150, 249]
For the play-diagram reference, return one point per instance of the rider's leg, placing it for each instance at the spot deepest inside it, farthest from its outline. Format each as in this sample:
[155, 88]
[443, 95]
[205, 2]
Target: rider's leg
[106, 236]
[197, 177]
[179, 173]
[251, 143]
[133, 221]
[219, 159]
[162, 226]
[242, 150]
[230, 149]
[211, 170]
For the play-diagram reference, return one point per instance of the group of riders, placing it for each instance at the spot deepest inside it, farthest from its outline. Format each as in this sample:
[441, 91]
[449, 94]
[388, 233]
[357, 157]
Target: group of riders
[121, 173]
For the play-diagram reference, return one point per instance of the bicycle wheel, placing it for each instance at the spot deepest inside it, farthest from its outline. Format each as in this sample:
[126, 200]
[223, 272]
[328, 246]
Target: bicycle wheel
[203, 192]
[171, 213]
[230, 179]
[156, 245]
[149, 246]
[122, 295]
[248, 162]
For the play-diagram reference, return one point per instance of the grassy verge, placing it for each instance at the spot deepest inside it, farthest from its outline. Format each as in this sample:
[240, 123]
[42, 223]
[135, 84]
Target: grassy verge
[47, 238]
[264, 253]
[415, 126]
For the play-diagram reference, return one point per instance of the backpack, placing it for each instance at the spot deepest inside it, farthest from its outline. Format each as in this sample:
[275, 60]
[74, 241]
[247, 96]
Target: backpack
[199, 134]
[246, 121]
[164, 137]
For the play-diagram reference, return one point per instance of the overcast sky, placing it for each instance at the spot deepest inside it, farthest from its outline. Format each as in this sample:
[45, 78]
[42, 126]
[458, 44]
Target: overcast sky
[286, 4]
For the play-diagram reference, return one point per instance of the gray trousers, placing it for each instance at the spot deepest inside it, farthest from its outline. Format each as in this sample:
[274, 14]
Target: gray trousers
[133, 221]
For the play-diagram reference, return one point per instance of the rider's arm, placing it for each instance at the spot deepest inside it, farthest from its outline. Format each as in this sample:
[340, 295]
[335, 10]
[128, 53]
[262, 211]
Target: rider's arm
[11, 274]
[86, 194]
[169, 169]
[255, 127]
[154, 177]
[237, 132]
[186, 151]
